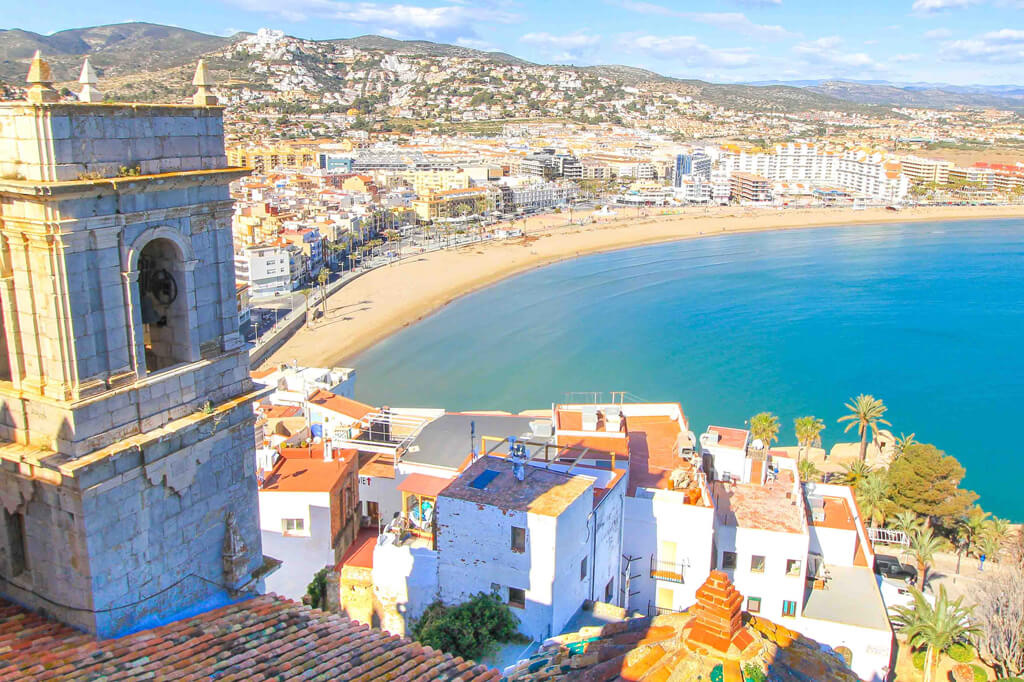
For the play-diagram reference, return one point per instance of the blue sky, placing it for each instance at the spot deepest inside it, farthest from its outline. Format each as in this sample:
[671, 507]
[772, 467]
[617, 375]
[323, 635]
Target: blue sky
[954, 41]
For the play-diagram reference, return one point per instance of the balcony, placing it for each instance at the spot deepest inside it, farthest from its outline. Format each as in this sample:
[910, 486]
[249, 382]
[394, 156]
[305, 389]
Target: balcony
[666, 570]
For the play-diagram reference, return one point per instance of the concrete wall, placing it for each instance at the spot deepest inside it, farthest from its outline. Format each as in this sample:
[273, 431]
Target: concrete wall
[606, 553]
[474, 553]
[405, 583]
[661, 516]
[871, 649]
[303, 555]
[773, 586]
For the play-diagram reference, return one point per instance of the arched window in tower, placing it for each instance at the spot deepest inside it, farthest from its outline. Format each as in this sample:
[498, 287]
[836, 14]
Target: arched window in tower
[163, 305]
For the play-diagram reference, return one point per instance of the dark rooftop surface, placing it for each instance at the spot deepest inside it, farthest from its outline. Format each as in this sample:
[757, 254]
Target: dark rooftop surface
[444, 442]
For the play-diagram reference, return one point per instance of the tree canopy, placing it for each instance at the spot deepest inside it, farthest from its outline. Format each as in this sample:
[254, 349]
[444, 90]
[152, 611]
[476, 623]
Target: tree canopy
[926, 480]
[471, 629]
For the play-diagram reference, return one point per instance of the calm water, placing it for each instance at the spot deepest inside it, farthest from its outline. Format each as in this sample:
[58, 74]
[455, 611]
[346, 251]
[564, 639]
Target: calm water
[929, 317]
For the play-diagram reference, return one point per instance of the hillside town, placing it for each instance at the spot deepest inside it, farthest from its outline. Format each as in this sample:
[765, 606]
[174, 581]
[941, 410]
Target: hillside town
[175, 501]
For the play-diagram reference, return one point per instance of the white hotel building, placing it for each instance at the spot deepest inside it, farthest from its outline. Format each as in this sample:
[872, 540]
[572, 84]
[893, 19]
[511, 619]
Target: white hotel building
[867, 174]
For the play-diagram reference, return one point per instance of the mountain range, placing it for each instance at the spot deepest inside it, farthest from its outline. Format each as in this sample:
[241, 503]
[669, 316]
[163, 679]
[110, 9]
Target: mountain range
[134, 51]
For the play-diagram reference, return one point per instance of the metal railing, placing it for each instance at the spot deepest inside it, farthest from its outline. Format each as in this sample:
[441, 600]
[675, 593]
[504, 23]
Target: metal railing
[653, 610]
[888, 536]
[665, 570]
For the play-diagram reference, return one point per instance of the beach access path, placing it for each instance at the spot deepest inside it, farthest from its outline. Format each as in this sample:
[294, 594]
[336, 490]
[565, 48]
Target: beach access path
[391, 297]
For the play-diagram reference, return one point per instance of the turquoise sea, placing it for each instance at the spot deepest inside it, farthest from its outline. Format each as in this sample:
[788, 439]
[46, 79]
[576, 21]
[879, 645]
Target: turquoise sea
[927, 316]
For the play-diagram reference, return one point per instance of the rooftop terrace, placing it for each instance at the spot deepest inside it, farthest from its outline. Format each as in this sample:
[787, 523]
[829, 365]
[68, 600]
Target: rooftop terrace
[774, 506]
[542, 491]
[852, 598]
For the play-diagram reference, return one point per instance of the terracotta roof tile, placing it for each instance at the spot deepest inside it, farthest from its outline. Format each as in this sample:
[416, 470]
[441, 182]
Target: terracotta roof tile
[261, 638]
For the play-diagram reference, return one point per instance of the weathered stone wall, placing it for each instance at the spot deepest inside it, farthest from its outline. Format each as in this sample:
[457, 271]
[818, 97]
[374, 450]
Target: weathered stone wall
[137, 536]
[60, 142]
[356, 593]
[125, 475]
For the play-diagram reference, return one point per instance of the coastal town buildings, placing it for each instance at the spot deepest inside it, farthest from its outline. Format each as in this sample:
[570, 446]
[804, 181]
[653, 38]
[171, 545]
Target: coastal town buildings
[612, 503]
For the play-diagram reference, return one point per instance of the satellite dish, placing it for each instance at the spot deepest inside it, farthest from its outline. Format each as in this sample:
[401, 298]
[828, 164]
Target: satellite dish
[758, 444]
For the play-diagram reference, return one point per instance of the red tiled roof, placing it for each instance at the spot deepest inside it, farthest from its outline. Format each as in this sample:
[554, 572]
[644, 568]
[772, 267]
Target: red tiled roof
[340, 404]
[261, 638]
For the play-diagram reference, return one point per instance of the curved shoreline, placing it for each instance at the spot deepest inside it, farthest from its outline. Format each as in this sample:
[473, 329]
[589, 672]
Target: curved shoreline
[388, 299]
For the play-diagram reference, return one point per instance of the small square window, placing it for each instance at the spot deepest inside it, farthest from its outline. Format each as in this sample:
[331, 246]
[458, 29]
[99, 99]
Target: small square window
[517, 597]
[793, 567]
[789, 609]
[293, 526]
[757, 564]
[495, 588]
[729, 560]
[583, 569]
[753, 605]
[518, 539]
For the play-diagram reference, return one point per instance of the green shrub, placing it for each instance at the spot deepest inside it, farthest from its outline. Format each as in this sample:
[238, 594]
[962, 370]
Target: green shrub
[316, 591]
[918, 659]
[980, 674]
[961, 653]
[753, 673]
[471, 629]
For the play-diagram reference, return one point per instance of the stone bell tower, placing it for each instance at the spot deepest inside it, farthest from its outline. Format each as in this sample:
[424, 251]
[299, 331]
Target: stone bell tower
[127, 491]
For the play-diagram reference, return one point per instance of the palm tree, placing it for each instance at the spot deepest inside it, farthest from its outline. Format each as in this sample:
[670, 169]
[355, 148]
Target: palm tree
[906, 522]
[991, 547]
[866, 414]
[873, 497]
[854, 473]
[309, 317]
[934, 627]
[321, 279]
[902, 443]
[808, 433]
[924, 545]
[969, 531]
[807, 469]
[765, 427]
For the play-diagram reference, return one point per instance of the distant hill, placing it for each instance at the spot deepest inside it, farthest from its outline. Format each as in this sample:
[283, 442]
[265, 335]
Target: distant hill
[114, 50]
[148, 62]
[919, 94]
[425, 48]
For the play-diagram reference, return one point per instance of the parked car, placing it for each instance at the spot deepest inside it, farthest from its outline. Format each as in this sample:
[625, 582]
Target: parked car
[891, 567]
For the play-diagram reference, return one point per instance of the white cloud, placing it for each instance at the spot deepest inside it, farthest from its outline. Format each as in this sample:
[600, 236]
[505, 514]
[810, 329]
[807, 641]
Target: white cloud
[572, 40]
[928, 6]
[736, 22]
[475, 44]
[826, 51]
[1005, 46]
[687, 49]
[904, 58]
[1005, 35]
[448, 21]
[572, 47]
[938, 33]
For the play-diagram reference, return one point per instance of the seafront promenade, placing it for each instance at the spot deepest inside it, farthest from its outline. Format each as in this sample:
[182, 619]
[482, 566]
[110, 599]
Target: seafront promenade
[387, 299]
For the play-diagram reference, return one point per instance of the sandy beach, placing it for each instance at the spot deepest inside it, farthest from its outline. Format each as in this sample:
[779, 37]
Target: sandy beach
[385, 300]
